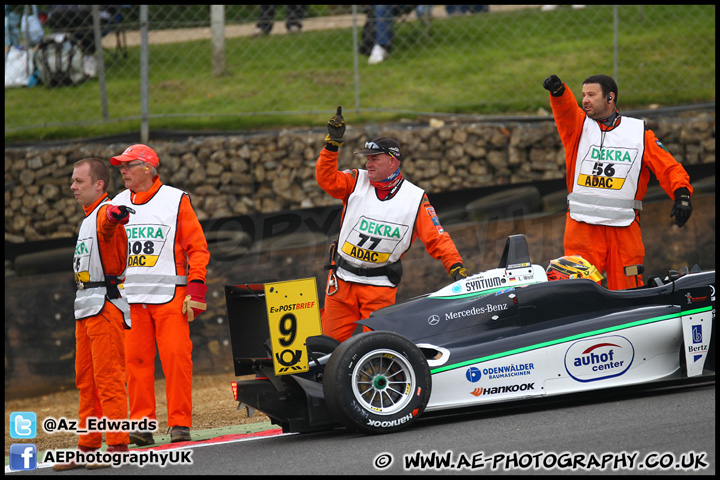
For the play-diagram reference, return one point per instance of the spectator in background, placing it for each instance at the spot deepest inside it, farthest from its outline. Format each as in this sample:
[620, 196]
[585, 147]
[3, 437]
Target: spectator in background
[293, 22]
[23, 26]
[77, 22]
[550, 8]
[12, 25]
[378, 29]
[165, 286]
[463, 9]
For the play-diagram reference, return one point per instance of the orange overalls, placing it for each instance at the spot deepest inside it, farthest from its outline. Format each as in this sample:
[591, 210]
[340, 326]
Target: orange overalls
[167, 325]
[356, 301]
[100, 349]
[610, 249]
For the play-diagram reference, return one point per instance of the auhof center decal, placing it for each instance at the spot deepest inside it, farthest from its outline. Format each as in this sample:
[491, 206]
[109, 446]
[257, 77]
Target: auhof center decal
[599, 358]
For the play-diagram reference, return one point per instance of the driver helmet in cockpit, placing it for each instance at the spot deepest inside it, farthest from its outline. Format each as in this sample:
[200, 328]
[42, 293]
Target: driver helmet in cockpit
[572, 266]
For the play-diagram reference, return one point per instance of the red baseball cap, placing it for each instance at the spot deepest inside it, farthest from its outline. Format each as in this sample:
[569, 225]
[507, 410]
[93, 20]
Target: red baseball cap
[137, 152]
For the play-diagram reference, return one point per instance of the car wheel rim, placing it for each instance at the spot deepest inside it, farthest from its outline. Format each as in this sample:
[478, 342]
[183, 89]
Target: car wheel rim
[383, 381]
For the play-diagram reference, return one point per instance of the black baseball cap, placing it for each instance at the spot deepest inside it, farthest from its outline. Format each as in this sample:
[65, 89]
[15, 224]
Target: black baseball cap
[382, 145]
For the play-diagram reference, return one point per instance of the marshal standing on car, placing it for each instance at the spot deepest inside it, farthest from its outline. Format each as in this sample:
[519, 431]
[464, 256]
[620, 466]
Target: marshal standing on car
[383, 213]
[609, 158]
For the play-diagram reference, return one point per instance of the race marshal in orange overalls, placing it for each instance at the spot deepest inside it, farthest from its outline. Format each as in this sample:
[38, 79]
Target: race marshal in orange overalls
[383, 213]
[609, 158]
[101, 312]
[165, 286]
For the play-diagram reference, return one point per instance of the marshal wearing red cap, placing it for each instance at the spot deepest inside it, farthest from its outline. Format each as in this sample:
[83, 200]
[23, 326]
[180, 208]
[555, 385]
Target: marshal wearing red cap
[165, 286]
[137, 152]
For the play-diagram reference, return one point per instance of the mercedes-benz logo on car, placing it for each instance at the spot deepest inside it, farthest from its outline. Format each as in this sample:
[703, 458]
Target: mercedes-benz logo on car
[433, 319]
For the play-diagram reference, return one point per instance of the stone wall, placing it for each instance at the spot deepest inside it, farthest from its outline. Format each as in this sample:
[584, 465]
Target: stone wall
[263, 173]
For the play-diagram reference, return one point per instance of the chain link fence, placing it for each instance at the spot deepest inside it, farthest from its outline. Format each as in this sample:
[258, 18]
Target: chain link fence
[200, 66]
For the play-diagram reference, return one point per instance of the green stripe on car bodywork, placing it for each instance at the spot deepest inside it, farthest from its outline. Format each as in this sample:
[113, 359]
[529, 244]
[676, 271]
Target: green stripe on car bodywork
[567, 339]
[481, 293]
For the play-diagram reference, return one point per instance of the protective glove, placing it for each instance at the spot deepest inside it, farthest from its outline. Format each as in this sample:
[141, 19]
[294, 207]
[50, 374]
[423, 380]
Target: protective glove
[554, 85]
[194, 303]
[336, 129]
[119, 214]
[458, 272]
[111, 285]
[682, 208]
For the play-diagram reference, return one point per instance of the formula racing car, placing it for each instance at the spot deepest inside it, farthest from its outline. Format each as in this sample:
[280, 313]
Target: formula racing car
[503, 335]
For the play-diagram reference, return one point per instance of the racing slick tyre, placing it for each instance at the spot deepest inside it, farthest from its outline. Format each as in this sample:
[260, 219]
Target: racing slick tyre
[321, 344]
[377, 382]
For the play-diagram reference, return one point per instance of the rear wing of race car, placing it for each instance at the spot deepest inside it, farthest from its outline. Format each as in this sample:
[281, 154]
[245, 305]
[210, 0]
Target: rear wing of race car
[248, 324]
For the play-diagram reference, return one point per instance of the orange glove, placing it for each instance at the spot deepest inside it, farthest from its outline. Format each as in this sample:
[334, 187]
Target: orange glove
[194, 303]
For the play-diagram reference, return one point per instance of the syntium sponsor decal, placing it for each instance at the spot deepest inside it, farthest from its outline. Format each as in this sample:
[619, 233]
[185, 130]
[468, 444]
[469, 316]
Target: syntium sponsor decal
[523, 387]
[145, 242]
[599, 358]
[478, 284]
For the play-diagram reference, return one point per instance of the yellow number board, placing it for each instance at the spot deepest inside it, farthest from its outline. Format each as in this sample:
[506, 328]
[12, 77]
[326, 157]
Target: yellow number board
[293, 315]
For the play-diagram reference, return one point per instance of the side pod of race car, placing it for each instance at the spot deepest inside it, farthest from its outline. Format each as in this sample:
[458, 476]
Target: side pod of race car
[502, 335]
